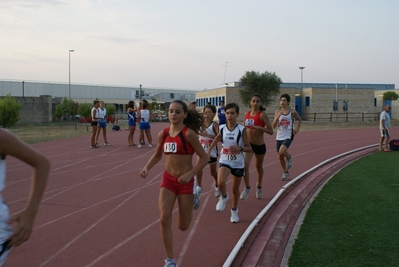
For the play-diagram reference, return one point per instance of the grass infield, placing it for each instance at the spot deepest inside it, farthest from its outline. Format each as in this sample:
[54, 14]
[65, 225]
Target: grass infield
[354, 219]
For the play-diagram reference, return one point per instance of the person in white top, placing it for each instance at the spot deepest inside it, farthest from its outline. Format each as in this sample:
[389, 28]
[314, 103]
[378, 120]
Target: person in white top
[10, 145]
[385, 123]
[102, 123]
[206, 137]
[145, 115]
[94, 123]
[235, 141]
[284, 120]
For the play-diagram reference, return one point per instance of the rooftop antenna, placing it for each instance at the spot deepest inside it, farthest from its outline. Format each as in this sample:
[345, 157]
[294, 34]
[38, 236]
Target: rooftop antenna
[225, 67]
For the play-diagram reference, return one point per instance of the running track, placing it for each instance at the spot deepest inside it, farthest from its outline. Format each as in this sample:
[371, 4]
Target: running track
[97, 211]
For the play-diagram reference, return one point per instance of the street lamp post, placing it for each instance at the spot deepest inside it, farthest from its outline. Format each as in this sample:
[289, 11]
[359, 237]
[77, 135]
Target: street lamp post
[140, 93]
[301, 68]
[70, 72]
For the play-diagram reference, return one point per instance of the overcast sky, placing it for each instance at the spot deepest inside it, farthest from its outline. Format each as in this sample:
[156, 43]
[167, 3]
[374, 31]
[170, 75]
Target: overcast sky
[186, 44]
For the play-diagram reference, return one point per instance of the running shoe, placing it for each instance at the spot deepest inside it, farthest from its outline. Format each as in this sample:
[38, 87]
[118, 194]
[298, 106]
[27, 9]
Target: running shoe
[259, 192]
[170, 263]
[285, 176]
[143, 143]
[97, 145]
[217, 192]
[245, 193]
[107, 144]
[222, 203]
[149, 145]
[199, 190]
[289, 162]
[197, 202]
[139, 145]
[234, 216]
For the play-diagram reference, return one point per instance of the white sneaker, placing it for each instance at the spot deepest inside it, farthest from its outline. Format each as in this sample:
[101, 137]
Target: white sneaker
[245, 193]
[285, 176]
[196, 202]
[170, 263]
[222, 203]
[217, 192]
[149, 145]
[234, 216]
[107, 144]
[199, 190]
[259, 192]
[289, 162]
[139, 145]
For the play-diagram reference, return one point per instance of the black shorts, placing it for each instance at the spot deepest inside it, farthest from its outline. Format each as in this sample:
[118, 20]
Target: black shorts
[286, 142]
[94, 123]
[238, 172]
[212, 160]
[259, 149]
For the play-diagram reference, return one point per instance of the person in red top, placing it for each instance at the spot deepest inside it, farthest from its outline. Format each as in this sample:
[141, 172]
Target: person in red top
[178, 142]
[257, 123]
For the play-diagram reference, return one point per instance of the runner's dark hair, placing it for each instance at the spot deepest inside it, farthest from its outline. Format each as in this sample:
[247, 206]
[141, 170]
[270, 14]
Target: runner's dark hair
[194, 120]
[261, 108]
[212, 107]
[232, 105]
[131, 104]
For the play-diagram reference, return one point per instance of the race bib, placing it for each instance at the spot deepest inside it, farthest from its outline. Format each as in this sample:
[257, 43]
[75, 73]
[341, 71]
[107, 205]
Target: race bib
[249, 122]
[228, 155]
[170, 147]
[206, 143]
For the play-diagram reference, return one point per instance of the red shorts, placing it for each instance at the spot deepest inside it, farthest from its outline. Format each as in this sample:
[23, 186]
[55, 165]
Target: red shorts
[171, 183]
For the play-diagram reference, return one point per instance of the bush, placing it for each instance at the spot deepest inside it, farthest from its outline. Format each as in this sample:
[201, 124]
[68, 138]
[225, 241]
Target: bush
[9, 111]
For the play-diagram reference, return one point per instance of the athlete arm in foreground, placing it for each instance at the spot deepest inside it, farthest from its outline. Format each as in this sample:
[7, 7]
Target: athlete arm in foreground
[11, 145]
[156, 157]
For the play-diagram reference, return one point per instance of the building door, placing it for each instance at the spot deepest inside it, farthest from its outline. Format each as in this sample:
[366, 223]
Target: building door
[388, 102]
[298, 105]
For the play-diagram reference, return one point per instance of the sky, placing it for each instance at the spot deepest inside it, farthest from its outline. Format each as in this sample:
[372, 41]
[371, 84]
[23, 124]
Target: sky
[198, 45]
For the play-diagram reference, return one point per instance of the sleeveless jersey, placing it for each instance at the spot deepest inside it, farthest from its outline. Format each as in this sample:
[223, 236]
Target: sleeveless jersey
[131, 116]
[92, 114]
[145, 115]
[231, 138]
[284, 129]
[253, 120]
[101, 113]
[177, 144]
[5, 228]
[207, 141]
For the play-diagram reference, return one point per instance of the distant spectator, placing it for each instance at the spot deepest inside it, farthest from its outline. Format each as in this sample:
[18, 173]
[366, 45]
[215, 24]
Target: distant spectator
[385, 123]
[132, 119]
[102, 123]
[193, 105]
[221, 114]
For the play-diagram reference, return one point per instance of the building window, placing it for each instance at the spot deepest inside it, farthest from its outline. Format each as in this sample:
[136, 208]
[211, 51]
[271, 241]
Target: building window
[172, 95]
[307, 101]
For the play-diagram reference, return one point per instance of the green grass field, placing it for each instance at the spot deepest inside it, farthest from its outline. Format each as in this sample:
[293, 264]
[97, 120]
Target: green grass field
[354, 219]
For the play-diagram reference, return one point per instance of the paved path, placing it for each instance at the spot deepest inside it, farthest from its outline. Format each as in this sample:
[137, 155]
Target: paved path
[97, 211]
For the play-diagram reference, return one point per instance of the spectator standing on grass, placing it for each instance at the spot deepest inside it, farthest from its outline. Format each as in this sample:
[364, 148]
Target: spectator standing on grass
[178, 142]
[234, 139]
[206, 136]
[193, 105]
[10, 145]
[102, 123]
[94, 123]
[385, 123]
[284, 119]
[132, 119]
[221, 114]
[145, 127]
[257, 123]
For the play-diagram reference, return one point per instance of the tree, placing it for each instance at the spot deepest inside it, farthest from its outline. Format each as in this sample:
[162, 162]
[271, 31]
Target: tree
[266, 84]
[59, 112]
[111, 110]
[9, 111]
[390, 95]
[84, 110]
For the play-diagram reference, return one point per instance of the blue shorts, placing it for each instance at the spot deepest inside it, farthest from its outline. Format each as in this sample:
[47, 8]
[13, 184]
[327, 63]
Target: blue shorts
[102, 124]
[132, 123]
[145, 125]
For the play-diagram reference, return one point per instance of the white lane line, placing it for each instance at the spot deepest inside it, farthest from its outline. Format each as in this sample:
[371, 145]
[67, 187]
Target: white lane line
[86, 231]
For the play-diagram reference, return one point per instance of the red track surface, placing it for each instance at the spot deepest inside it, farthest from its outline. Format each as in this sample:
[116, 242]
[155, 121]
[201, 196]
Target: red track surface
[97, 211]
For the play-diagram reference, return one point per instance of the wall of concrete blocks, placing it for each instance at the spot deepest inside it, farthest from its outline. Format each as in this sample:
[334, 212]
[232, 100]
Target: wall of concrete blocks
[37, 109]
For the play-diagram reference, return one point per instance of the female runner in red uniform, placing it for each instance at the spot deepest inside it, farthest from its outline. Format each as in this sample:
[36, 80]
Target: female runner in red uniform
[179, 141]
[257, 123]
